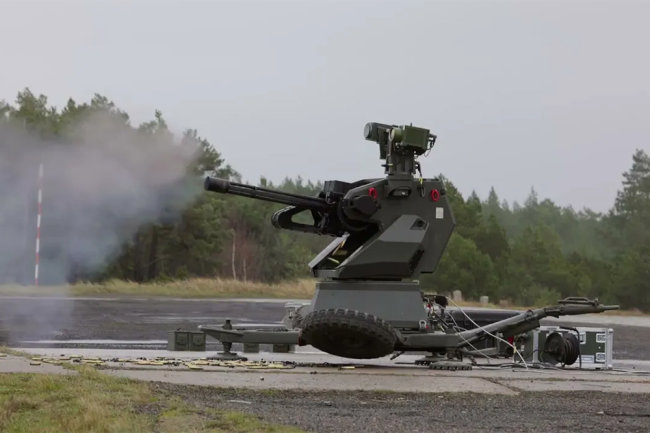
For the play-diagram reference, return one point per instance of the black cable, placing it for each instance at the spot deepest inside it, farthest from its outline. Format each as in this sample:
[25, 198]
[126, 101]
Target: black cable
[578, 348]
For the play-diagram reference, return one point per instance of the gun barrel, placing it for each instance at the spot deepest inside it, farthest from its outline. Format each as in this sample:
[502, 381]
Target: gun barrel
[224, 186]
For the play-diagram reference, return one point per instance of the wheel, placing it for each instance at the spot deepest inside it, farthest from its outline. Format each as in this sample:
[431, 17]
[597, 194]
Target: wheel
[348, 333]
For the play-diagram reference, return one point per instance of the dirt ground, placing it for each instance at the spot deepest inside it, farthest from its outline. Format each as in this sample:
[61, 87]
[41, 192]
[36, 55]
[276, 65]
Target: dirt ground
[334, 412]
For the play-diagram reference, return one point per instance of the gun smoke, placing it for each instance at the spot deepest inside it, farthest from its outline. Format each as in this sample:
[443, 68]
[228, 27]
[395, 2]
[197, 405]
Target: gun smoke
[101, 183]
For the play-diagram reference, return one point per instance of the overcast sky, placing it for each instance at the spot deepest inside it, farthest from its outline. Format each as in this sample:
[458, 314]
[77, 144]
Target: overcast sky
[554, 95]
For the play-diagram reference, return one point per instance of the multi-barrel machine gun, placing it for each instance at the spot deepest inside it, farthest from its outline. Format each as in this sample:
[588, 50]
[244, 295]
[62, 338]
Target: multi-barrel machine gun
[368, 302]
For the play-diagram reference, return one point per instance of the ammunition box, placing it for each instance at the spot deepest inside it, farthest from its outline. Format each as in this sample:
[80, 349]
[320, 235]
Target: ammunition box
[251, 348]
[284, 348]
[197, 341]
[186, 340]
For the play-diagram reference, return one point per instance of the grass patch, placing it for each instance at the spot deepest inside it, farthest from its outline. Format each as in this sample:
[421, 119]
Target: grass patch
[87, 402]
[191, 288]
[93, 402]
[10, 351]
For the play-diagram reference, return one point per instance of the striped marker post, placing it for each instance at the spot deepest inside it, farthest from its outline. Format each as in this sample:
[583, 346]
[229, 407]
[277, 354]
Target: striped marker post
[38, 222]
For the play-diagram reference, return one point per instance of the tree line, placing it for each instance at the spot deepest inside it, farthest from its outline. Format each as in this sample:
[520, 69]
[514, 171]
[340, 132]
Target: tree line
[528, 254]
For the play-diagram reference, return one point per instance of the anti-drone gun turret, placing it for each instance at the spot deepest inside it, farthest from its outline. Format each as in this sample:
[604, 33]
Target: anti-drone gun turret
[387, 232]
[384, 227]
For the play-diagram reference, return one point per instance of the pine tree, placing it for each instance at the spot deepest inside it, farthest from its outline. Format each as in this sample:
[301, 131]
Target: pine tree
[634, 199]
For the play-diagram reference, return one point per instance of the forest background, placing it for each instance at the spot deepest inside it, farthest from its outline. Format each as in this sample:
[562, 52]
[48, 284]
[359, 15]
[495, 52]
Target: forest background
[527, 254]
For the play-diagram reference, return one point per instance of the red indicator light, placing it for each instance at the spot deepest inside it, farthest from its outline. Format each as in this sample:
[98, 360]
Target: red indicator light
[435, 195]
[372, 192]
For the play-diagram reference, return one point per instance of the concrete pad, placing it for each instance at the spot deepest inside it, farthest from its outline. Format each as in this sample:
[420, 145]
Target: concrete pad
[584, 385]
[506, 374]
[319, 371]
[18, 364]
[307, 354]
[329, 381]
[114, 353]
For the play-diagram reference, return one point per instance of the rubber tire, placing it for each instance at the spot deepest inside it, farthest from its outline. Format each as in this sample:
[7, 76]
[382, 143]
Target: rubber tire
[348, 333]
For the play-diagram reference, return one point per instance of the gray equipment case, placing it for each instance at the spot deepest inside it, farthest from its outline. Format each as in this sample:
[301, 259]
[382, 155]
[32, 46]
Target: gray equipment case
[596, 346]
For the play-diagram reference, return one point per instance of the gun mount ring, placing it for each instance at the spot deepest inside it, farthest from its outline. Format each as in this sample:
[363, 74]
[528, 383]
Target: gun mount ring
[348, 333]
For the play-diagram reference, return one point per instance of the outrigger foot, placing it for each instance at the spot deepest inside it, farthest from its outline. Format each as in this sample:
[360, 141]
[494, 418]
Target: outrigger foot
[227, 356]
[430, 359]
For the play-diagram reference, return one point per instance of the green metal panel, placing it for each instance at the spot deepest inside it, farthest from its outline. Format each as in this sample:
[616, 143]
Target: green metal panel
[251, 348]
[186, 341]
[284, 348]
[416, 138]
[197, 341]
[596, 345]
[178, 340]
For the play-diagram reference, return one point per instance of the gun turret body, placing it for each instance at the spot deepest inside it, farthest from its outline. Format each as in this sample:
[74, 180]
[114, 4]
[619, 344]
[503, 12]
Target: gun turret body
[389, 228]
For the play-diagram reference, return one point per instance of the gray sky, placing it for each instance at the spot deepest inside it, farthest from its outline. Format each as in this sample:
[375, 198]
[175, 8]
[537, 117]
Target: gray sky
[554, 95]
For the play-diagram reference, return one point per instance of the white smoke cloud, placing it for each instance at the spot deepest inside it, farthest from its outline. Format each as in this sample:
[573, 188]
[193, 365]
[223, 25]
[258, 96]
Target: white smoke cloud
[102, 181]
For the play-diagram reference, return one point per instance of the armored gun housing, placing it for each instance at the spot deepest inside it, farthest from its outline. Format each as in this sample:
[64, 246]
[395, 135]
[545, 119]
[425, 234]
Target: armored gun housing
[368, 302]
[389, 229]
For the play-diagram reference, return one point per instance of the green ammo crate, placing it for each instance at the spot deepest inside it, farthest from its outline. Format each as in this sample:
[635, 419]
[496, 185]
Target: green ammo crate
[251, 348]
[197, 341]
[186, 340]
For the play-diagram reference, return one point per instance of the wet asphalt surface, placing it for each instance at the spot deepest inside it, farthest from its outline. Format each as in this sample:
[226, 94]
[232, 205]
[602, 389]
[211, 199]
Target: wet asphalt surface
[65, 319]
[61, 320]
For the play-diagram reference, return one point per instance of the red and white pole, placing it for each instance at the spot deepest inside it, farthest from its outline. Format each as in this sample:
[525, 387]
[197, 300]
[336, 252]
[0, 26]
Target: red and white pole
[38, 222]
